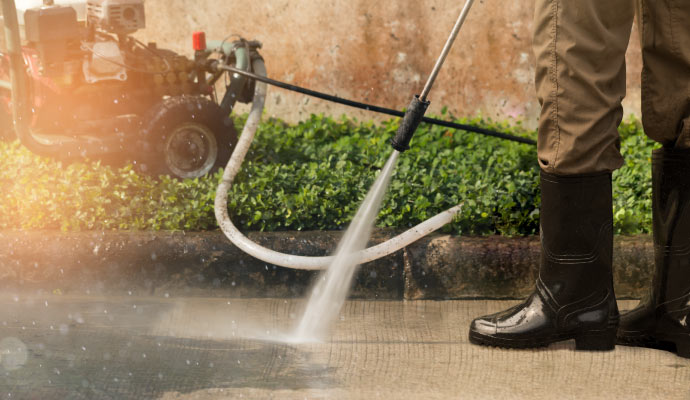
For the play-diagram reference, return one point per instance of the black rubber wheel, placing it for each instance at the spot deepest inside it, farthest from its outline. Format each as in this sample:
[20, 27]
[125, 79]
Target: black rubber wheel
[188, 137]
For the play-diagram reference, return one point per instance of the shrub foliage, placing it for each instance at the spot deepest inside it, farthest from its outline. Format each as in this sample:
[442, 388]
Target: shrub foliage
[313, 175]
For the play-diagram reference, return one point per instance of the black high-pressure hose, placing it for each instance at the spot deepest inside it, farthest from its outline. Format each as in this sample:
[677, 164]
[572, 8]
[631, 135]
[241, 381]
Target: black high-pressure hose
[369, 107]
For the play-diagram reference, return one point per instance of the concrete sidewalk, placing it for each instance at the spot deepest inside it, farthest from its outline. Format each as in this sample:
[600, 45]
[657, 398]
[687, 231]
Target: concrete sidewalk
[60, 347]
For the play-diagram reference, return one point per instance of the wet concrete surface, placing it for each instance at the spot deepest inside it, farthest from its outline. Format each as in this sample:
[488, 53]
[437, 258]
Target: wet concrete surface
[70, 347]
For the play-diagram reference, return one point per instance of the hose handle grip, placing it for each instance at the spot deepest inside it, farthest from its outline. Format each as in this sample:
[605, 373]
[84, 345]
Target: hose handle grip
[413, 117]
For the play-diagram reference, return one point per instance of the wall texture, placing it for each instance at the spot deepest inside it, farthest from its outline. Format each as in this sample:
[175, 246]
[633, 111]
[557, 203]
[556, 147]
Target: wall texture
[379, 51]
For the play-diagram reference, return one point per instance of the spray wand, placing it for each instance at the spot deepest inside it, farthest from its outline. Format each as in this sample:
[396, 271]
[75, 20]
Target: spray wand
[415, 112]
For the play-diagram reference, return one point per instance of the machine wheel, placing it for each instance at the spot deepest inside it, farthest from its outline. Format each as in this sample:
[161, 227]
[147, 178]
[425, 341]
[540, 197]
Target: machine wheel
[189, 137]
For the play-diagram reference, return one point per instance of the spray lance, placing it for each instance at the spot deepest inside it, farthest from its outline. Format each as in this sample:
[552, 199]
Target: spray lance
[411, 120]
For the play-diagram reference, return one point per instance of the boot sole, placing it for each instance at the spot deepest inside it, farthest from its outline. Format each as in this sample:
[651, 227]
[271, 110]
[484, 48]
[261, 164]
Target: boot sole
[584, 341]
[679, 344]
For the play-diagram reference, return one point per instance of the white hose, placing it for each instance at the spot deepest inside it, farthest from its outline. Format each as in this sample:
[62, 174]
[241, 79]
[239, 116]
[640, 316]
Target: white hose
[289, 260]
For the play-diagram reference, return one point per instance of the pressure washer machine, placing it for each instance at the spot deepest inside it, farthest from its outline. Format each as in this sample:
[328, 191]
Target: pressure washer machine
[75, 84]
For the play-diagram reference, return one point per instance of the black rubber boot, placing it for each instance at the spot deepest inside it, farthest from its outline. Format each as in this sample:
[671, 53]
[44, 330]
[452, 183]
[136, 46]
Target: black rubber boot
[663, 319]
[574, 296]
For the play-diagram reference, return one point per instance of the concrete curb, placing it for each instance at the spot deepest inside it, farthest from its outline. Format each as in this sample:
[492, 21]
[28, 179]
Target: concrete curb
[207, 264]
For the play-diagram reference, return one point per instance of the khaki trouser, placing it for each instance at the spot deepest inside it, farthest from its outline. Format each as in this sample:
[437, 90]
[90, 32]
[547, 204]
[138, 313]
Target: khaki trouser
[580, 47]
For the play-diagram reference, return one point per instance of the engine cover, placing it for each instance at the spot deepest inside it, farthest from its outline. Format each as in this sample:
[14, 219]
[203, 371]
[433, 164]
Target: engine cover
[50, 30]
[116, 16]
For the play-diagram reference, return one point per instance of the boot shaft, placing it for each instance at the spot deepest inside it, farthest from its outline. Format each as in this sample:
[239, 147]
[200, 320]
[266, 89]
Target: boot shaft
[671, 221]
[576, 235]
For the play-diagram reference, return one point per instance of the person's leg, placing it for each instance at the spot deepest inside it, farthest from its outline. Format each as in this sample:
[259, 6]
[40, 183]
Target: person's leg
[664, 27]
[663, 319]
[580, 78]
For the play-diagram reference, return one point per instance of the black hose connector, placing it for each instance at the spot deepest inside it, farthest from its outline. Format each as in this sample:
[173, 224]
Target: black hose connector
[413, 117]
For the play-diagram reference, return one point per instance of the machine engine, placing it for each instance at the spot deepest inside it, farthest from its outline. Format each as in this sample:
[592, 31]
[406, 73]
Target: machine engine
[91, 69]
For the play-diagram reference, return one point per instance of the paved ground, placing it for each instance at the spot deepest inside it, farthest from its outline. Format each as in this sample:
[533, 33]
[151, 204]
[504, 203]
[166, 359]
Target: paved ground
[59, 347]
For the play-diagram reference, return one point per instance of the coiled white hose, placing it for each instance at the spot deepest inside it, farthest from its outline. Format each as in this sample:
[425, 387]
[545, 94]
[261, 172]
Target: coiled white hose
[289, 260]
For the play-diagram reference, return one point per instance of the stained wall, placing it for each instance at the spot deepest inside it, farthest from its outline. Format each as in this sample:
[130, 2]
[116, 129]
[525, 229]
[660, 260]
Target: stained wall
[379, 51]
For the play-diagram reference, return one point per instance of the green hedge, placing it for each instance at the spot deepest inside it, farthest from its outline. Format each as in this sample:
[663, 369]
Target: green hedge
[312, 176]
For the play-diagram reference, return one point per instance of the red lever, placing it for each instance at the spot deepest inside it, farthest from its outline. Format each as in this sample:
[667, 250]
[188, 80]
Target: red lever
[199, 41]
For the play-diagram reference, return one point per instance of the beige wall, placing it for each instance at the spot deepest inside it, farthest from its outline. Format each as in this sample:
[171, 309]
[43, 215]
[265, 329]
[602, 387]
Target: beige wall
[378, 51]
